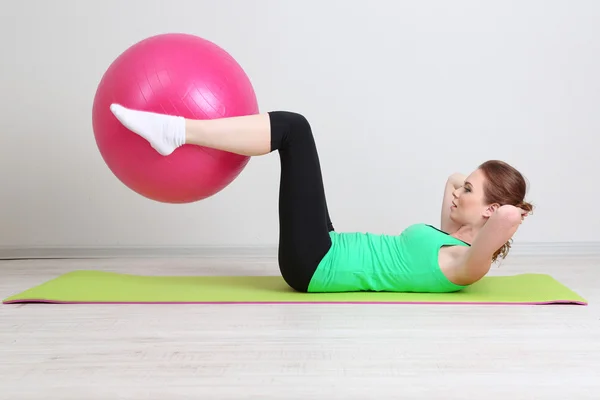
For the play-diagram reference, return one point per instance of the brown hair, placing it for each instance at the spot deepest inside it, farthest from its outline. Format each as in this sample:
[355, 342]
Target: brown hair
[505, 185]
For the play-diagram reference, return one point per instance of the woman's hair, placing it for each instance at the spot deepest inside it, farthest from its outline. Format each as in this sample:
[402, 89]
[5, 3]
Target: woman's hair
[505, 186]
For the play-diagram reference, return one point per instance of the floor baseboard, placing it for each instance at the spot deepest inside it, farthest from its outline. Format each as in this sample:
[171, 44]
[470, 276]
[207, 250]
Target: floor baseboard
[557, 249]
[570, 249]
[14, 253]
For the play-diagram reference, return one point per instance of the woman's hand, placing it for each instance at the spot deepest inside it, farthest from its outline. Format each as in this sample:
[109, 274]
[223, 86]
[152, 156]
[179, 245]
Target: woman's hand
[514, 211]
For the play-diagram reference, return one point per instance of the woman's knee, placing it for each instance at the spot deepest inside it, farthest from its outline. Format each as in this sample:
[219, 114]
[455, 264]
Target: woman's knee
[292, 119]
[299, 123]
[288, 129]
[292, 123]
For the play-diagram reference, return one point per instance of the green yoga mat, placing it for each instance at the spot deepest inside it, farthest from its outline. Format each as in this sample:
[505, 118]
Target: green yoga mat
[106, 287]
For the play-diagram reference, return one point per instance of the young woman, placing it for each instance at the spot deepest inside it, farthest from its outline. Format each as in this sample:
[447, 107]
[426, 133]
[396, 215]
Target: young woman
[480, 213]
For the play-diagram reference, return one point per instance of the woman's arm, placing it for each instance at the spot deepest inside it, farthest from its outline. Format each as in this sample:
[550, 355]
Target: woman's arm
[454, 182]
[498, 230]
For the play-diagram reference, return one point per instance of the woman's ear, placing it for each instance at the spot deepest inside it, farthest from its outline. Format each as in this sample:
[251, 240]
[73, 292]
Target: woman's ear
[491, 209]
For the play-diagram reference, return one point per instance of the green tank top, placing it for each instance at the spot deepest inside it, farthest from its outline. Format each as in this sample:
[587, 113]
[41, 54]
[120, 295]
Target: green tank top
[372, 262]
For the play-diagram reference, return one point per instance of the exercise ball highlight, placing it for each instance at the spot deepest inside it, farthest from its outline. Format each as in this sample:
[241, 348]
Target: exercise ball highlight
[176, 74]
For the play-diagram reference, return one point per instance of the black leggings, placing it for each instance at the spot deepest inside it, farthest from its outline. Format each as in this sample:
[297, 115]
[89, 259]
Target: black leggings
[304, 222]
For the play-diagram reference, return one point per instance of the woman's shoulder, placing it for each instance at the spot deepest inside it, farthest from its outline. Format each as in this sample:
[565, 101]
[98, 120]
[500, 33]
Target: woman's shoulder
[421, 227]
[431, 231]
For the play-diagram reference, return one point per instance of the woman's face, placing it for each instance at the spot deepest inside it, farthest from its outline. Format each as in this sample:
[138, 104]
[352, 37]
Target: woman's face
[468, 206]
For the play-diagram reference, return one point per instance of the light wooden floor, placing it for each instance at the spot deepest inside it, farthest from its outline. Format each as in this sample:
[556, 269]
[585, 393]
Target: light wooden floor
[169, 352]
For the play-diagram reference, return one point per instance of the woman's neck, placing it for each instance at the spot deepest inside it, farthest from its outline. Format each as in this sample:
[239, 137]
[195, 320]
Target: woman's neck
[466, 233]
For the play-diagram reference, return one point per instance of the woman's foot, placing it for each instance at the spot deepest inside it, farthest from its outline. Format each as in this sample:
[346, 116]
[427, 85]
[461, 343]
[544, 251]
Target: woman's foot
[165, 133]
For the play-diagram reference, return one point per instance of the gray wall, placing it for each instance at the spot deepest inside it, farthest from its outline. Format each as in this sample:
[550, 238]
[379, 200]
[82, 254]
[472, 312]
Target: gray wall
[400, 95]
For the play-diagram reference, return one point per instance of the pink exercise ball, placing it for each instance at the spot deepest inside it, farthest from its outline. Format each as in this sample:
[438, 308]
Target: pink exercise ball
[177, 74]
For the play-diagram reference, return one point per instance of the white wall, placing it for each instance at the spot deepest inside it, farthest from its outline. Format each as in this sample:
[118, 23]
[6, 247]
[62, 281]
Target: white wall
[400, 94]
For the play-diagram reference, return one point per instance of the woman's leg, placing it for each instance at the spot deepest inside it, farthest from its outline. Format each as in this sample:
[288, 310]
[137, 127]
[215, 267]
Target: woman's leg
[248, 135]
[303, 215]
[304, 222]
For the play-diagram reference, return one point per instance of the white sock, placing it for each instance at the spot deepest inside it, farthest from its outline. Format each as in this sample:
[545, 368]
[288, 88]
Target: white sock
[164, 132]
